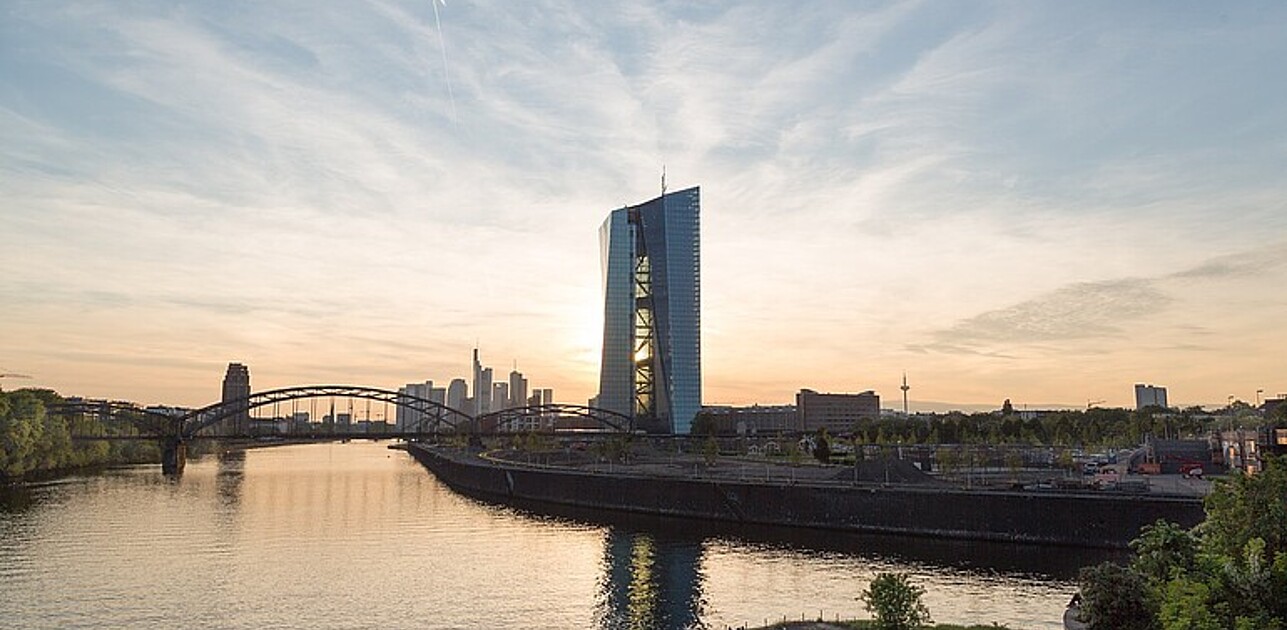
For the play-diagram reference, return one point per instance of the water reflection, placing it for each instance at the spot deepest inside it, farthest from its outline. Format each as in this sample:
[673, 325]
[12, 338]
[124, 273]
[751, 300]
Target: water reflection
[969, 556]
[649, 582]
[15, 498]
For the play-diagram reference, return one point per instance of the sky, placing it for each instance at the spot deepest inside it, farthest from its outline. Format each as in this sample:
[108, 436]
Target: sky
[1045, 202]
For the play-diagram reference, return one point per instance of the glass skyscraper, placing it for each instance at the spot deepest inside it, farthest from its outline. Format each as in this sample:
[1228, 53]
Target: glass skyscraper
[652, 348]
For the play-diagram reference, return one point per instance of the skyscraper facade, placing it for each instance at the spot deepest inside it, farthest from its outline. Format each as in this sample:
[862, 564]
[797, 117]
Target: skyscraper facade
[236, 385]
[651, 261]
[457, 394]
[1149, 396]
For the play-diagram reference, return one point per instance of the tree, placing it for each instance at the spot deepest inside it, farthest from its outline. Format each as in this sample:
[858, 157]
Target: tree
[1114, 598]
[1188, 605]
[895, 602]
[704, 423]
[1163, 549]
[1247, 507]
[710, 450]
[822, 446]
[1014, 461]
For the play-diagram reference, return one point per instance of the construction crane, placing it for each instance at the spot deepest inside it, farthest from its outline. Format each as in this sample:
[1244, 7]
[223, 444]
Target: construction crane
[1092, 403]
[14, 376]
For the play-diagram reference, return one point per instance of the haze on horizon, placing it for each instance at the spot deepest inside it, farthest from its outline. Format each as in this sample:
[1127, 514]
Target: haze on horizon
[1044, 202]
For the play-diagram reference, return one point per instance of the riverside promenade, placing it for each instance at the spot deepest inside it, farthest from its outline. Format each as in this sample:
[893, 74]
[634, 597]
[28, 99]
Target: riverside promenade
[882, 496]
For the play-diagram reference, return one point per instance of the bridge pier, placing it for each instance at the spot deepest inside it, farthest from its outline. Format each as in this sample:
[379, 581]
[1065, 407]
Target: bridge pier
[174, 455]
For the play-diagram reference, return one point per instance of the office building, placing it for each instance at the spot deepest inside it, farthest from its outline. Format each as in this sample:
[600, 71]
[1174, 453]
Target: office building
[651, 361]
[541, 397]
[730, 420]
[517, 389]
[836, 412]
[1149, 396]
[457, 394]
[236, 385]
[500, 396]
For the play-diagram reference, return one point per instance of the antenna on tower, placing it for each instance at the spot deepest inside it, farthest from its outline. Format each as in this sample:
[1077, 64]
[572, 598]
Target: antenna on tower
[663, 180]
[905, 387]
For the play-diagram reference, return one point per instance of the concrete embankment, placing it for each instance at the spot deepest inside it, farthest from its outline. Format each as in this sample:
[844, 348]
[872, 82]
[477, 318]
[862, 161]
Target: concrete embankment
[1060, 518]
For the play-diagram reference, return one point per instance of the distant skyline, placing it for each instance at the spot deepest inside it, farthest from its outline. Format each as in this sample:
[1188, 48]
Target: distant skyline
[1045, 202]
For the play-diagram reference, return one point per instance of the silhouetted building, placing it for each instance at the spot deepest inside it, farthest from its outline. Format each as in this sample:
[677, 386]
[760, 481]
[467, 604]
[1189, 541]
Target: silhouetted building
[651, 363]
[836, 412]
[500, 396]
[457, 394]
[517, 389]
[1149, 396]
[729, 420]
[236, 386]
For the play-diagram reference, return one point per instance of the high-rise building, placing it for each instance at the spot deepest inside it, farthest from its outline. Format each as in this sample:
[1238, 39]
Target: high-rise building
[517, 389]
[457, 394]
[500, 396]
[236, 385]
[483, 393]
[1149, 396]
[479, 392]
[407, 419]
[541, 397]
[651, 365]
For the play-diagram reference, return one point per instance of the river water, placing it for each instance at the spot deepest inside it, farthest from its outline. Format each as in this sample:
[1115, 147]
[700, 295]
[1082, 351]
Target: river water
[360, 536]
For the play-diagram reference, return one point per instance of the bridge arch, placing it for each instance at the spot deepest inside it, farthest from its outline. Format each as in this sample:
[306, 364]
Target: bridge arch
[547, 418]
[147, 423]
[434, 416]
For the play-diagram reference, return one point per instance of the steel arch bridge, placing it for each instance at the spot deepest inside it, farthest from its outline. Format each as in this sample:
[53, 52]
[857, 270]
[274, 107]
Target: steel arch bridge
[552, 418]
[434, 417]
[142, 422]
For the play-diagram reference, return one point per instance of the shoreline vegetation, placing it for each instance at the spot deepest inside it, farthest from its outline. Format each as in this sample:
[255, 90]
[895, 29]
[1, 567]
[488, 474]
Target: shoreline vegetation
[35, 445]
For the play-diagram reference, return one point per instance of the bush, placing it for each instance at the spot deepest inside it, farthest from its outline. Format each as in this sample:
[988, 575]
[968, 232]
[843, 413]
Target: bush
[1114, 598]
[896, 603]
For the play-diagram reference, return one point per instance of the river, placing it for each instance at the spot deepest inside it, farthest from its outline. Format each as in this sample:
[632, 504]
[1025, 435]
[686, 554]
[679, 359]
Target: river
[360, 536]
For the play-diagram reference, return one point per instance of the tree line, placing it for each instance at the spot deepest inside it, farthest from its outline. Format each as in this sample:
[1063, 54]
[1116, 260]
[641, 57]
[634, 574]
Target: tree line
[1090, 428]
[33, 441]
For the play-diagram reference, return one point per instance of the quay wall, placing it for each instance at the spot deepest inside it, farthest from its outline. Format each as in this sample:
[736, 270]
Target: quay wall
[1055, 517]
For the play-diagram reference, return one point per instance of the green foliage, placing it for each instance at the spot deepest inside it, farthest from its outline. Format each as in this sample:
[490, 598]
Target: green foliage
[1092, 428]
[1163, 549]
[1188, 605]
[895, 603]
[1115, 598]
[1229, 572]
[822, 446]
[710, 450]
[1246, 507]
[703, 423]
[32, 440]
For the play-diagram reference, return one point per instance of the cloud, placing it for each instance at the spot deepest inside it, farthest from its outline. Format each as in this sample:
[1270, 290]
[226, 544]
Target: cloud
[1078, 311]
[1240, 265]
[1096, 310]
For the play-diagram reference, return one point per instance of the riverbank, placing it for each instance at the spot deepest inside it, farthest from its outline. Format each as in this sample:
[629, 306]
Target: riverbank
[683, 488]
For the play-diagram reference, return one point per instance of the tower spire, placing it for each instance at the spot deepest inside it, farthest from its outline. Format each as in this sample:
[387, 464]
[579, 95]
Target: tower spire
[905, 387]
